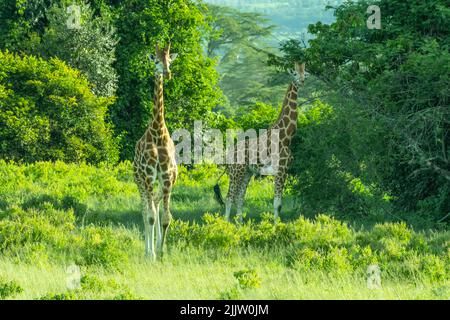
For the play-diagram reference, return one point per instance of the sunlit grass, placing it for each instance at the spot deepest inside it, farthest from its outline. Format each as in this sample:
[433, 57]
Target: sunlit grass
[106, 206]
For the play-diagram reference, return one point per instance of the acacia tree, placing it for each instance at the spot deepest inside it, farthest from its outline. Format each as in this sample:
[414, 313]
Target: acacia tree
[239, 40]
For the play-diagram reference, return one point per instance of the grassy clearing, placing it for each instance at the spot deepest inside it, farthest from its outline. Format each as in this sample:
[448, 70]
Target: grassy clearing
[55, 215]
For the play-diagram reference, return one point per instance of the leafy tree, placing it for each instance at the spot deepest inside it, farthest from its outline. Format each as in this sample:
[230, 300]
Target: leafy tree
[90, 49]
[240, 41]
[39, 27]
[193, 91]
[48, 112]
[22, 22]
[258, 116]
[232, 29]
[396, 80]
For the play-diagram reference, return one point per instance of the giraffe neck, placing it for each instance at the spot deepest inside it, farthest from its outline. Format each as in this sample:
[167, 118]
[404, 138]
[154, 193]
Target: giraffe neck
[158, 106]
[289, 109]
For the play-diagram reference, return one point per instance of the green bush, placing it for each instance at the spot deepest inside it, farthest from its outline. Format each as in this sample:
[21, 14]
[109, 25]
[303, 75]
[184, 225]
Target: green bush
[48, 112]
[323, 244]
[24, 233]
[106, 246]
[248, 279]
[60, 296]
[9, 289]
[49, 235]
[257, 116]
[91, 287]
[45, 217]
[331, 170]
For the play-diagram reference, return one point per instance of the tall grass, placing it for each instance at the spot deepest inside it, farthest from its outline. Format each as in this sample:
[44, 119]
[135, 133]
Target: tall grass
[53, 215]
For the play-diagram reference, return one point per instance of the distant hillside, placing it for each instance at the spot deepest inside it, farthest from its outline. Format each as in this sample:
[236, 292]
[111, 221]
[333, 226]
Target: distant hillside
[291, 17]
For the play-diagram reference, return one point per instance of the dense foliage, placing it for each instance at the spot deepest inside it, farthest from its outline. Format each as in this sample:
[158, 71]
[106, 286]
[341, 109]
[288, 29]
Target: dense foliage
[48, 112]
[374, 143]
[90, 49]
[193, 91]
[387, 126]
[41, 27]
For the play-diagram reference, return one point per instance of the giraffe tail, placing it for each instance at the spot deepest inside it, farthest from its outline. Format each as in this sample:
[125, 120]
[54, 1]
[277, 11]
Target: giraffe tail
[218, 193]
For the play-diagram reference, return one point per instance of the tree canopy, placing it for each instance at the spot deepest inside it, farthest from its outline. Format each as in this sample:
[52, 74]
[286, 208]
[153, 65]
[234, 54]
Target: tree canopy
[396, 81]
[48, 112]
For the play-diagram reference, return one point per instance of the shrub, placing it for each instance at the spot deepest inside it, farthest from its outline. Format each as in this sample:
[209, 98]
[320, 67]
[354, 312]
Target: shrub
[127, 295]
[60, 296]
[92, 283]
[42, 200]
[25, 233]
[90, 49]
[248, 279]
[219, 233]
[9, 289]
[324, 244]
[41, 236]
[106, 246]
[257, 116]
[48, 112]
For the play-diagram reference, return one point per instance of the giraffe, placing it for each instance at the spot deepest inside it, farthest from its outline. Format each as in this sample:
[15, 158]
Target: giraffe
[154, 166]
[241, 174]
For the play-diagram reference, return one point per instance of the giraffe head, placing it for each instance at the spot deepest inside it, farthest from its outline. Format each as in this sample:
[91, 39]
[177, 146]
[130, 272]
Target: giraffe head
[298, 73]
[163, 59]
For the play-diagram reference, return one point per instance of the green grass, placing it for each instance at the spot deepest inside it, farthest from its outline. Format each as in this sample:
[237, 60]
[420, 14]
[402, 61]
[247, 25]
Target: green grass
[183, 277]
[55, 215]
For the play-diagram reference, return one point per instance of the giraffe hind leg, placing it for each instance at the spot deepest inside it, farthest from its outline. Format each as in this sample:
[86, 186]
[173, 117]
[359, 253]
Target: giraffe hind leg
[279, 186]
[230, 195]
[237, 176]
[241, 195]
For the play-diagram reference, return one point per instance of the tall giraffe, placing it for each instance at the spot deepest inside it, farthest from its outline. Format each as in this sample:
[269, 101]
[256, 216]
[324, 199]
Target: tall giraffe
[240, 174]
[155, 169]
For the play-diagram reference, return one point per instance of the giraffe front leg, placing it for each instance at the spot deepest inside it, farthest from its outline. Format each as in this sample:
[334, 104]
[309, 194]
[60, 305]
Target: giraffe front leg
[149, 226]
[158, 219]
[149, 229]
[166, 217]
[277, 200]
[158, 226]
[145, 217]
